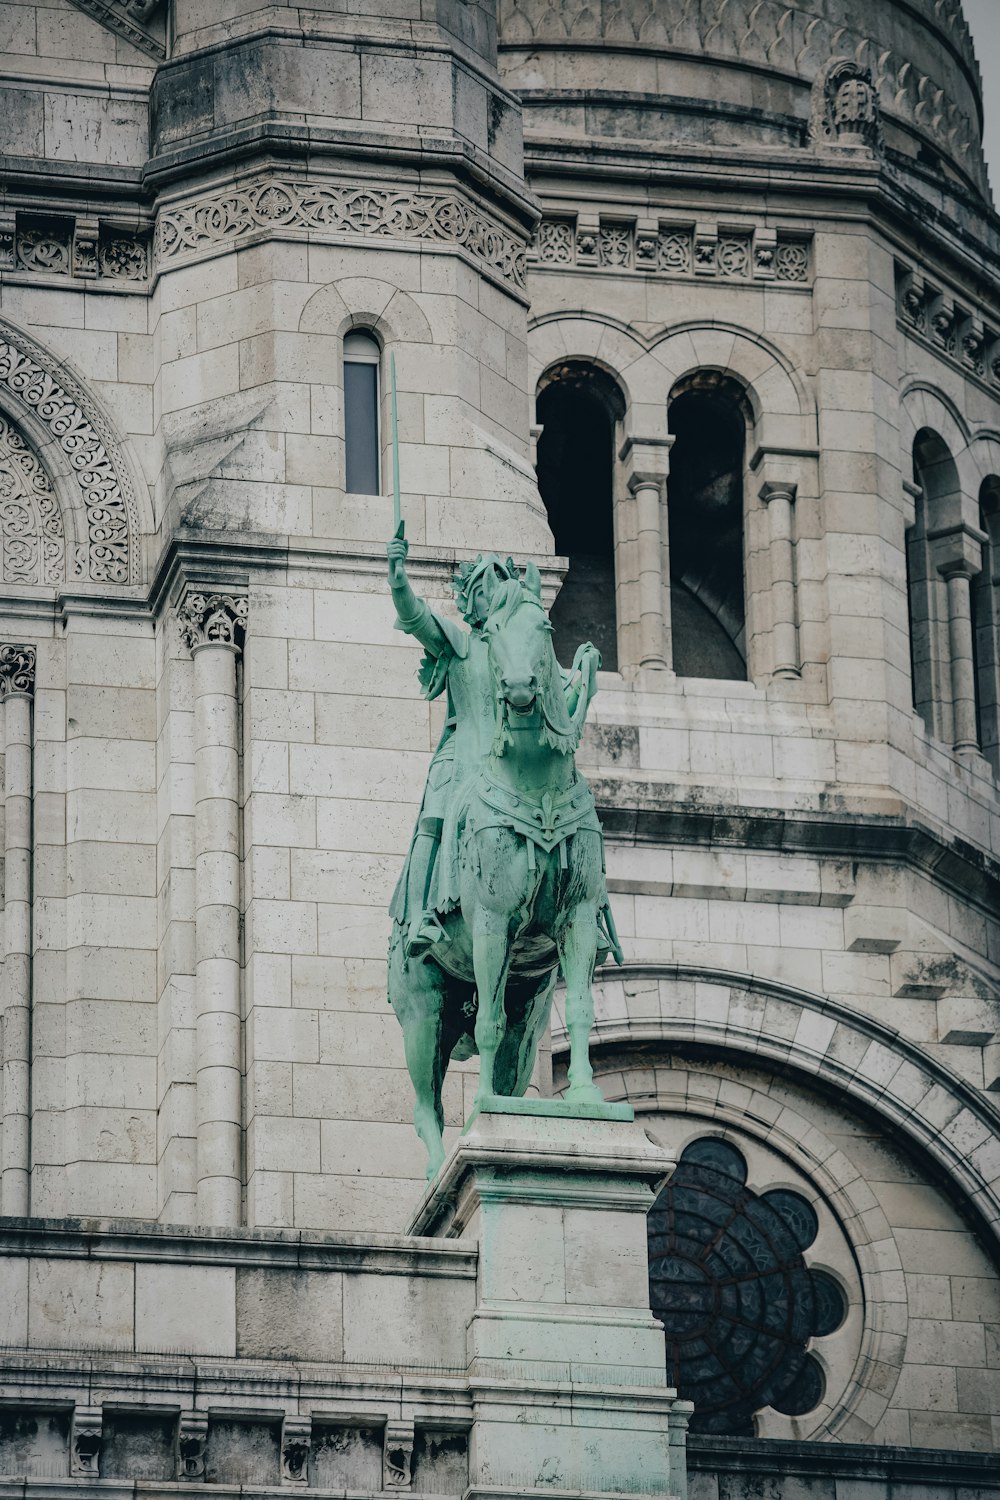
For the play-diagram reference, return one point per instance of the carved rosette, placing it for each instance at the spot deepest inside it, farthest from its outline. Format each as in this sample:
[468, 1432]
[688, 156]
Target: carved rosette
[17, 671]
[213, 619]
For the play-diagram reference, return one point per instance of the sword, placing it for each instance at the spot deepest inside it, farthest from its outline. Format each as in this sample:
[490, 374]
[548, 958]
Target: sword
[397, 514]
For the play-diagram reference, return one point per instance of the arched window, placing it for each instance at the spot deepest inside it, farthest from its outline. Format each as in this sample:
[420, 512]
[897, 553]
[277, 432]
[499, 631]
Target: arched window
[986, 626]
[937, 505]
[708, 418]
[362, 357]
[578, 409]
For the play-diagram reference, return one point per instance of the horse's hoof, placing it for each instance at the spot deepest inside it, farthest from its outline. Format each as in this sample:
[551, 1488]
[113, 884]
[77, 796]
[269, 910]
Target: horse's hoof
[585, 1094]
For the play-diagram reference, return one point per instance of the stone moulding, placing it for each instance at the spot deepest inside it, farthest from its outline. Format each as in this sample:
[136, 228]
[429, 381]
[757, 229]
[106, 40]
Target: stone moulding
[958, 332]
[209, 224]
[129, 19]
[41, 386]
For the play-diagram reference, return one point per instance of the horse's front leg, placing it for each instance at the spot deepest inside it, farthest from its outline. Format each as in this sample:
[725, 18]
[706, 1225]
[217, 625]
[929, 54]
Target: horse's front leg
[492, 946]
[577, 942]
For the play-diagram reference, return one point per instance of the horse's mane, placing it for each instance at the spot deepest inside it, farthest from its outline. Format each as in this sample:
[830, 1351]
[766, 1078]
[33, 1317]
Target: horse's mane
[558, 730]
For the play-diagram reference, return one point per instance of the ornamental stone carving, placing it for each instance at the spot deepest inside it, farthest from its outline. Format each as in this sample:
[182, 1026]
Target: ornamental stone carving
[296, 1441]
[222, 218]
[109, 551]
[192, 1446]
[696, 250]
[398, 1456]
[845, 107]
[32, 545]
[132, 19]
[207, 619]
[85, 1443]
[17, 670]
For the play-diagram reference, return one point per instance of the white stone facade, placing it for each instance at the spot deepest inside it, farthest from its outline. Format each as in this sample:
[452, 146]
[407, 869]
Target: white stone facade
[214, 744]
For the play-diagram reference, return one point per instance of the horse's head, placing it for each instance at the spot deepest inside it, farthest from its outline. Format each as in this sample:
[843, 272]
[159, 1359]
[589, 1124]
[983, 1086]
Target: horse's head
[520, 641]
[525, 671]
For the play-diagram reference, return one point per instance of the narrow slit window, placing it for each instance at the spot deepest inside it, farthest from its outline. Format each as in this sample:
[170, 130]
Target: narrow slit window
[362, 356]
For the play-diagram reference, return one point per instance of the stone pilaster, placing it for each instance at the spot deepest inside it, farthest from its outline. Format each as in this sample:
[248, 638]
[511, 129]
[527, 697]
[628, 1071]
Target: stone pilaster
[17, 686]
[212, 626]
[780, 501]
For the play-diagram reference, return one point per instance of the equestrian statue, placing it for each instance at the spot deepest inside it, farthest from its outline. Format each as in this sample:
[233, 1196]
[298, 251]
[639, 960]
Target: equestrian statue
[503, 886]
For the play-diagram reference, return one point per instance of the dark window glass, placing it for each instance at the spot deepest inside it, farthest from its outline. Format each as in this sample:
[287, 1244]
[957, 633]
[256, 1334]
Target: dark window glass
[361, 428]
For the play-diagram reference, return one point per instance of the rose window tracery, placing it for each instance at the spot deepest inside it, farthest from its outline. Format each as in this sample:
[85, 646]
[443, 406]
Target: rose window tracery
[32, 544]
[739, 1304]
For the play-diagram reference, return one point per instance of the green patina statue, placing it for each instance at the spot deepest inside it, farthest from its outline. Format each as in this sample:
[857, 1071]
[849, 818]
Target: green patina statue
[504, 884]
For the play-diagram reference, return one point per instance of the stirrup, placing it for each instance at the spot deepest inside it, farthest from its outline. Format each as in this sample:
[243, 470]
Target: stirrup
[425, 931]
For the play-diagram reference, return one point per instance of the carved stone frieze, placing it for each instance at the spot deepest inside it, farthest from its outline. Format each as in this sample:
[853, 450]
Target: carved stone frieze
[212, 618]
[131, 19]
[17, 670]
[222, 218]
[110, 552]
[66, 247]
[699, 250]
[32, 544]
[955, 330]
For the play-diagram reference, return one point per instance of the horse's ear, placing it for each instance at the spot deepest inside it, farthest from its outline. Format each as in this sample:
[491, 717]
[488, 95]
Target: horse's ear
[533, 581]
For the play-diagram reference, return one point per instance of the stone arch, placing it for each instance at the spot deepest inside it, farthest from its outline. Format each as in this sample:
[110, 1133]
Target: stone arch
[365, 302]
[942, 1117]
[923, 407]
[105, 508]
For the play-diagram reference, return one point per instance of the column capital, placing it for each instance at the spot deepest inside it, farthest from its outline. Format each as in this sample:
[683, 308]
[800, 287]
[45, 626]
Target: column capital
[17, 671]
[957, 551]
[646, 460]
[778, 489]
[212, 619]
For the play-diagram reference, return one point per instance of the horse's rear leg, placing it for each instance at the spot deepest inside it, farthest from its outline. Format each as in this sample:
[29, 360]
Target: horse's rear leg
[577, 955]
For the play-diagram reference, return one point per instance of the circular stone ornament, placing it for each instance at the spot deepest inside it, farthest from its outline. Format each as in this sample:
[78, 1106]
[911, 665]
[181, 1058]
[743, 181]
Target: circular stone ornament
[738, 1303]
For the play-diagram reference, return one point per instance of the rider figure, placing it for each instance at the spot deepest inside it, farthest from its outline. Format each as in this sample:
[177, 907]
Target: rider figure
[456, 663]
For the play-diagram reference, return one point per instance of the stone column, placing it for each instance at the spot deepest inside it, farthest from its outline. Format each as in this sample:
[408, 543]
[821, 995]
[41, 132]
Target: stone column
[562, 1328]
[963, 667]
[780, 500]
[212, 626]
[957, 554]
[647, 462]
[17, 686]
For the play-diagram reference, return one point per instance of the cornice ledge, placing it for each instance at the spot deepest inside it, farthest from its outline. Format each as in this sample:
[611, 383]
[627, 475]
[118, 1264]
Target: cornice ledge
[129, 19]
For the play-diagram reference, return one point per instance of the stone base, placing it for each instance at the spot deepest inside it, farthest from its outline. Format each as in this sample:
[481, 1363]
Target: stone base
[565, 1360]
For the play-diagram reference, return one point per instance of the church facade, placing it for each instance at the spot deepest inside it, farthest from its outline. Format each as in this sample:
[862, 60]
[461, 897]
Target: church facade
[695, 304]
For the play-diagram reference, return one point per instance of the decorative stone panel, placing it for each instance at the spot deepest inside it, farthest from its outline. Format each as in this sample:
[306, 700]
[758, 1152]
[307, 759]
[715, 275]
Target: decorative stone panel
[85, 1442]
[701, 250]
[32, 544]
[192, 1444]
[108, 551]
[951, 327]
[296, 1441]
[17, 670]
[212, 617]
[330, 208]
[87, 248]
[398, 1463]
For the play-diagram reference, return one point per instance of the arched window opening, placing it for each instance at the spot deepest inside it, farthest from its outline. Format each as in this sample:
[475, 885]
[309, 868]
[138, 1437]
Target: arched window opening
[708, 417]
[937, 504]
[986, 626]
[578, 409]
[362, 357]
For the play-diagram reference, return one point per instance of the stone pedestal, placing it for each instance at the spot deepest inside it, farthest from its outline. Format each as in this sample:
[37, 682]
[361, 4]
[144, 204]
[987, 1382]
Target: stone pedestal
[565, 1360]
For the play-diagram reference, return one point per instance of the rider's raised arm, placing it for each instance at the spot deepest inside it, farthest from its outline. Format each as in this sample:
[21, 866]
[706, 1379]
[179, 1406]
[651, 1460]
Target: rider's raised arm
[413, 615]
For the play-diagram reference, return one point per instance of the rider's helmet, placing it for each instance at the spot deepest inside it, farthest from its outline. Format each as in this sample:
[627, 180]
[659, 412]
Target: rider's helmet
[487, 573]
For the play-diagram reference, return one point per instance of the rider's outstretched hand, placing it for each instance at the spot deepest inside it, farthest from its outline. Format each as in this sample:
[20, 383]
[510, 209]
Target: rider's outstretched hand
[396, 553]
